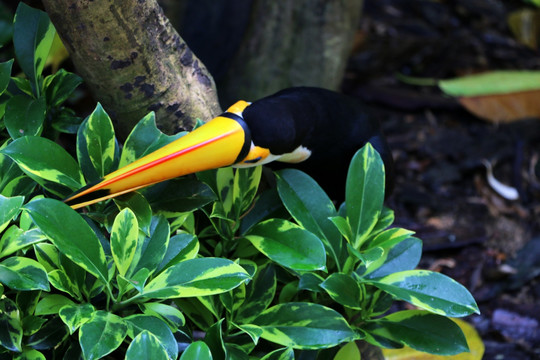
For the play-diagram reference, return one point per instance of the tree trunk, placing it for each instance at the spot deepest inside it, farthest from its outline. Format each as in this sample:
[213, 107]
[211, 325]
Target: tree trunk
[134, 62]
[292, 43]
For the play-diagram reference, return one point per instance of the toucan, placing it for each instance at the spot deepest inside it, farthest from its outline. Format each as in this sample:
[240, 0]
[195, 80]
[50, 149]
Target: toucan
[317, 130]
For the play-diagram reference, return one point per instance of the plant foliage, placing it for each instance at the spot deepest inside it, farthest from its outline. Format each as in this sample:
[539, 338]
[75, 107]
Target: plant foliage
[210, 267]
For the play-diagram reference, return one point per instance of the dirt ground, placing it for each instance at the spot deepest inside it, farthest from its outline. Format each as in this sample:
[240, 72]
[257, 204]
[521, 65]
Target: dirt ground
[489, 244]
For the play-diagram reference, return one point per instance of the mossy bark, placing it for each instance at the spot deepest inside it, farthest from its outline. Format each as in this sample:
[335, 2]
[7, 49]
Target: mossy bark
[134, 62]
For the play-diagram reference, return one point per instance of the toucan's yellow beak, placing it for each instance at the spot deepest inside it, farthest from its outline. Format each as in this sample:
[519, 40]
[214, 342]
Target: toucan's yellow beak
[222, 141]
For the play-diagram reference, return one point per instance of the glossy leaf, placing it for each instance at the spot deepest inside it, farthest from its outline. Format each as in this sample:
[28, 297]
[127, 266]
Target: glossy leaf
[59, 279]
[303, 326]
[310, 207]
[15, 239]
[21, 273]
[288, 244]
[429, 290]
[169, 314]
[260, 292]
[196, 277]
[59, 223]
[33, 35]
[422, 331]
[101, 335]
[42, 158]
[59, 86]
[348, 352]
[51, 304]
[343, 289]
[403, 256]
[74, 315]
[179, 195]
[164, 337]
[96, 145]
[246, 183]
[143, 139]
[146, 346]
[280, 354]
[30, 354]
[364, 193]
[182, 246]
[197, 350]
[124, 239]
[49, 335]
[153, 248]
[10, 323]
[493, 82]
[140, 207]
[474, 342]
[390, 237]
[5, 74]
[9, 208]
[24, 116]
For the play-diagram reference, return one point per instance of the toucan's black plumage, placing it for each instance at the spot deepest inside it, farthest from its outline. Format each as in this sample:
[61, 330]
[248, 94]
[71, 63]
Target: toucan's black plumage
[332, 126]
[319, 130]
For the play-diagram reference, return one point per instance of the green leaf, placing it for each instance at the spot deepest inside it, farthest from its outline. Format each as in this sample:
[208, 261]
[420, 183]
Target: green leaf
[20, 273]
[182, 246]
[30, 354]
[304, 326]
[170, 314]
[343, 289]
[179, 195]
[348, 352]
[9, 209]
[10, 323]
[146, 346]
[61, 281]
[253, 331]
[493, 82]
[33, 35]
[422, 331]
[152, 249]
[6, 25]
[101, 335]
[24, 116]
[96, 145]
[310, 281]
[164, 337]
[429, 290]
[289, 245]
[310, 207]
[51, 304]
[268, 205]
[364, 192]
[343, 227]
[15, 239]
[404, 256]
[43, 159]
[259, 294]
[124, 239]
[246, 183]
[48, 336]
[143, 139]
[5, 74]
[196, 277]
[59, 222]
[47, 255]
[140, 207]
[280, 354]
[75, 315]
[59, 86]
[197, 351]
[390, 237]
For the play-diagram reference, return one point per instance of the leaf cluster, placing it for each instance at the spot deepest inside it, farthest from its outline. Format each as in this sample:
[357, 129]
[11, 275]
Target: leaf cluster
[205, 267]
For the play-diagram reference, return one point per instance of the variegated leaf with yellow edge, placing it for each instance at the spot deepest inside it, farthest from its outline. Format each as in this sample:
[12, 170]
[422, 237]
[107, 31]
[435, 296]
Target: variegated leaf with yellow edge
[474, 342]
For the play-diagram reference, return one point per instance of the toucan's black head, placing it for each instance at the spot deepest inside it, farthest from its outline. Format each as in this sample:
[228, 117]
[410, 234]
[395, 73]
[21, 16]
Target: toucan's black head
[323, 129]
